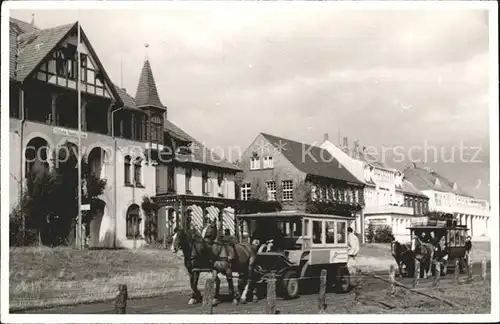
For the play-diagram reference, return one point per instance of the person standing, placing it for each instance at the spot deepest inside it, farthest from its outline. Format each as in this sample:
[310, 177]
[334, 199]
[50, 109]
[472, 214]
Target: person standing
[352, 250]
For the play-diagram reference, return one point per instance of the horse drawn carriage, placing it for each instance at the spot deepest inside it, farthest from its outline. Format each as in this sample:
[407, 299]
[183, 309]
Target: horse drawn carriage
[433, 240]
[295, 247]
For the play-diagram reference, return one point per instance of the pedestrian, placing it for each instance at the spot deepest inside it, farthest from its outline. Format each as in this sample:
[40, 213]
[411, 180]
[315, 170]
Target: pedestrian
[352, 250]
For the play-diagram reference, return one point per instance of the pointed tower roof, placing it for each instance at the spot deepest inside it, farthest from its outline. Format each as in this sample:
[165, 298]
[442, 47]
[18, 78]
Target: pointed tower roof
[147, 94]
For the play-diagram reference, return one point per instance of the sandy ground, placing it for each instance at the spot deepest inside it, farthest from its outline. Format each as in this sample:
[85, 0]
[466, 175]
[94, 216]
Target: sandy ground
[40, 275]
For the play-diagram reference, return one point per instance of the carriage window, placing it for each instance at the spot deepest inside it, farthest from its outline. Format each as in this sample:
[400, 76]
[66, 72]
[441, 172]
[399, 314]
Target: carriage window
[316, 232]
[330, 232]
[451, 234]
[341, 232]
[462, 238]
[307, 231]
[297, 228]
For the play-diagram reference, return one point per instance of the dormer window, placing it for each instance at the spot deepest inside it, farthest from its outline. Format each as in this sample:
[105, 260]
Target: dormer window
[268, 162]
[254, 163]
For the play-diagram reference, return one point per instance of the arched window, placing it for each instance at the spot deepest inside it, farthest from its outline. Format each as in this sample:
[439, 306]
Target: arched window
[127, 170]
[133, 221]
[138, 172]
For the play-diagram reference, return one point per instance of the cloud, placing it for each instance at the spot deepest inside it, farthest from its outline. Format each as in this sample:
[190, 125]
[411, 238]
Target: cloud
[384, 77]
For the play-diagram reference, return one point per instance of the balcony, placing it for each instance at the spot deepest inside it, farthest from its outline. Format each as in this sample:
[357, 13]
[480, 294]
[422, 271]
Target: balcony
[402, 210]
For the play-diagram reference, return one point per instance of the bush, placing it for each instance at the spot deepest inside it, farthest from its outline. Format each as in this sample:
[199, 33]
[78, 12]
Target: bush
[383, 234]
[370, 233]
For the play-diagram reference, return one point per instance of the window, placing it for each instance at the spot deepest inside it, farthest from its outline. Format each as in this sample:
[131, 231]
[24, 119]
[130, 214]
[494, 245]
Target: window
[356, 196]
[220, 183]
[133, 222]
[188, 180]
[204, 181]
[137, 172]
[127, 170]
[330, 232]
[246, 191]
[268, 162]
[156, 129]
[271, 190]
[314, 193]
[341, 232]
[254, 163]
[317, 232]
[307, 230]
[341, 195]
[171, 178]
[287, 186]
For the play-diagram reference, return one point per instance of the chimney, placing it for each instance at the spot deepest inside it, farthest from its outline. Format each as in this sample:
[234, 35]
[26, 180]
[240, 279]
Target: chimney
[325, 137]
[356, 149]
[345, 146]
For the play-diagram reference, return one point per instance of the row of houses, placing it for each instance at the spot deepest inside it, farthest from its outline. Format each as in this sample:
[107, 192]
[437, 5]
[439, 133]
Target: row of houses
[131, 142]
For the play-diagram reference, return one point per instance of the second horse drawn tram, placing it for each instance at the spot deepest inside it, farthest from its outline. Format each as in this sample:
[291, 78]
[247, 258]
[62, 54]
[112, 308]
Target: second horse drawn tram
[296, 247]
[445, 236]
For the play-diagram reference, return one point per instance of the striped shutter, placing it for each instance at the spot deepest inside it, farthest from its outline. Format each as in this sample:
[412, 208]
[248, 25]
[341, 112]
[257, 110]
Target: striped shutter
[228, 220]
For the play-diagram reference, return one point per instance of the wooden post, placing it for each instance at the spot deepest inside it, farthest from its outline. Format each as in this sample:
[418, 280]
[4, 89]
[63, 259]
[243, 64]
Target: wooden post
[322, 292]
[456, 274]
[358, 285]
[417, 274]
[121, 300]
[165, 246]
[208, 296]
[483, 269]
[469, 268]
[271, 294]
[392, 279]
[437, 277]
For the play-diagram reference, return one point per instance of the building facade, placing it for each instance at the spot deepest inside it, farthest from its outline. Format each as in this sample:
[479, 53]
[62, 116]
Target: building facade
[389, 198]
[302, 178]
[126, 140]
[447, 197]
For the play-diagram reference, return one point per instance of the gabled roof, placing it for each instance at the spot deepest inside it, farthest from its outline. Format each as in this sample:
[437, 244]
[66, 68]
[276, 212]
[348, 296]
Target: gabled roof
[409, 188]
[200, 153]
[147, 94]
[22, 26]
[127, 99]
[311, 159]
[426, 179]
[36, 44]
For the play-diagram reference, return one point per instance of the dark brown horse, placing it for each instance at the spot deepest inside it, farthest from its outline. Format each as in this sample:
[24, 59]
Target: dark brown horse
[403, 255]
[200, 253]
[423, 252]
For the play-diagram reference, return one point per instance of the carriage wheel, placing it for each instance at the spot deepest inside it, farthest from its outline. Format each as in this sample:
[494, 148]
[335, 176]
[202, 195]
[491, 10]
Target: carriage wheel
[343, 279]
[290, 284]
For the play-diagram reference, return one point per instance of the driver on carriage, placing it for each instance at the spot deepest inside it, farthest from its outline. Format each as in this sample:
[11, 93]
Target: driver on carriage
[265, 232]
[209, 233]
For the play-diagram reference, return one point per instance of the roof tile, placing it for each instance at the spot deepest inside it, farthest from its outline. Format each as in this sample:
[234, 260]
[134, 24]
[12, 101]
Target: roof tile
[426, 180]
[35, 46]
[147, 94]
[311, 159]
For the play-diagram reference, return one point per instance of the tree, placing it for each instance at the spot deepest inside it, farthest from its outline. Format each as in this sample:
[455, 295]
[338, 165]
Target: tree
[383, 234]
[50, 199]
[370, 232]
[150, 209]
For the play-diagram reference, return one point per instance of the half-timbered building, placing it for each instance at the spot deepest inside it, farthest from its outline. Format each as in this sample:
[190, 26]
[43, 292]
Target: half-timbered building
[129, 141]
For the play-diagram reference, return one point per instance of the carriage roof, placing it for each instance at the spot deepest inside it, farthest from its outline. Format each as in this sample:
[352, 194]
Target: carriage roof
[434, 228]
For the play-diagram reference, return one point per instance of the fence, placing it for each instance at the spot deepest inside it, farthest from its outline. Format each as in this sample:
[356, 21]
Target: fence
[357, 282]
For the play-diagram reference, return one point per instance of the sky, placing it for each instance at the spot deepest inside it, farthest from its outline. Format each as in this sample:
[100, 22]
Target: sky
[390, 79]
